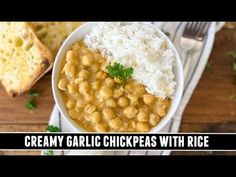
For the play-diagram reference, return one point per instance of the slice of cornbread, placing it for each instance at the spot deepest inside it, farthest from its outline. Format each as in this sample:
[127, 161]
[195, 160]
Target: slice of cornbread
[53, 34]
[23, 58]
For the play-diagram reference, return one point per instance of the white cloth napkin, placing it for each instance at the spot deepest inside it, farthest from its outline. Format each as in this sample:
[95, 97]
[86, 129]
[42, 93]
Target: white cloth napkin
[199, 60]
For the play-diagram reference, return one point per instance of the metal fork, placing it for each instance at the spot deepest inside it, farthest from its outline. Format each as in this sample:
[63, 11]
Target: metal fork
[191, 41]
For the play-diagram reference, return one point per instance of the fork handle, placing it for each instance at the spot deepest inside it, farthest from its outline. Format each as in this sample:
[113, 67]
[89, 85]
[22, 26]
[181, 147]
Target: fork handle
[187, 69]
[185, 63]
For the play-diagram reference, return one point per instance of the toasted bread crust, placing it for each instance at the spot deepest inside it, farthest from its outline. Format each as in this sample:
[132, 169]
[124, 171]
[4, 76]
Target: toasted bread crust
[53, 34]
[44, 55]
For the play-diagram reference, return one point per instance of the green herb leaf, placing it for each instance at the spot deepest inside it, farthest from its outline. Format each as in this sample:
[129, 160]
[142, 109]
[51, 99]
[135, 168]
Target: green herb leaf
[232, 54]
[209, 64]
[234, 66]
[234, 81]
[48, 152]
[119, 71]
[33, 94]
[232, 97]
[166, 33]
[30, 105]
[52, 128]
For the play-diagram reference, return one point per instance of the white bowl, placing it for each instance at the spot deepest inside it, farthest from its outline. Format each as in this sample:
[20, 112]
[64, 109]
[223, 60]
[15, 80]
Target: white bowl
[79, 34]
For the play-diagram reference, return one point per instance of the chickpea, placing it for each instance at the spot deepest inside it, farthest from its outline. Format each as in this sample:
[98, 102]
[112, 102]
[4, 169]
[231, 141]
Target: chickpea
[76, 47]
[89, 98]
[84, 51]
[96, 85]
[84, 74]
[96, 117]
[70, 104]
[102, 60]
[118, 81]
[62, 84]
[142, 116]
[106, 92]
[118, 92]
[95, 67]
[79, 118]
[123, 102]
[139, 90]
[161, 111]
[87, 117]
[115, 123]
[101, 75]
[153, 120]
[71, 57]
[131, 125]
[79, 80]
[108, 114]
[101, 128]
[80, 103]
[70, 69]
[128, 88]
[130, 112]
[145, 108]
[124, 127]
[104, 66]
[148, 99]
[133, 99]
[109, 82]
[111, 103]
[166, 103]
[84, 87]
[87, 60]
[73, 114]
[142, 127]
[97, 56]
[72, 88]
[90, 109]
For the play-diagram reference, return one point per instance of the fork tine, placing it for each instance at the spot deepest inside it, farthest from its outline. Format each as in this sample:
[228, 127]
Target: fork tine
[188, 25]
[188, 30]
[203, 31]
[198, 25]
[203, 25]
[194, 25]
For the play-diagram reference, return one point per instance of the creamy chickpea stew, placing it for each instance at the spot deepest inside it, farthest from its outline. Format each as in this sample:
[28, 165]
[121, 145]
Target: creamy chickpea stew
[98, 102]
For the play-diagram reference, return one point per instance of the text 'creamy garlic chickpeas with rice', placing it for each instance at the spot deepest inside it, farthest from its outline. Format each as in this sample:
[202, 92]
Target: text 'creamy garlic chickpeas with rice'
[118, 79]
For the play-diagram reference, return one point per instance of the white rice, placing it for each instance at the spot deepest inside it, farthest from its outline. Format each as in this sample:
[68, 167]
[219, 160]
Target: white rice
[140, 46]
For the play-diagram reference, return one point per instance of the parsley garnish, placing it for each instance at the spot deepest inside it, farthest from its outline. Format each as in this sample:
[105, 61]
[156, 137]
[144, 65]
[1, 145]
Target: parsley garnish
[52, 128]
[209, 64]
[30, 105]
[232, 97]
[119, 71]
[232, 54]
[48, 152]
[234, 66]
[33, 94]
[166, 33]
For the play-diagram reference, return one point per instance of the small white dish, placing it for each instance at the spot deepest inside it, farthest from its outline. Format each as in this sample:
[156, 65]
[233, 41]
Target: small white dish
[79, 34]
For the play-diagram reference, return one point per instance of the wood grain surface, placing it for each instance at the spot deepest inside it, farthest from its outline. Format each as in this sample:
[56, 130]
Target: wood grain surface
[209, 109]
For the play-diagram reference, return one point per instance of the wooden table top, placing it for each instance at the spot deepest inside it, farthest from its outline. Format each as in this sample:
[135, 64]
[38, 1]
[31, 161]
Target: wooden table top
[209, 109]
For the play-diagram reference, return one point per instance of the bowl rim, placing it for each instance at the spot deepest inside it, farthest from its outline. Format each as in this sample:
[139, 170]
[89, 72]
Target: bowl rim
[57, 67]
